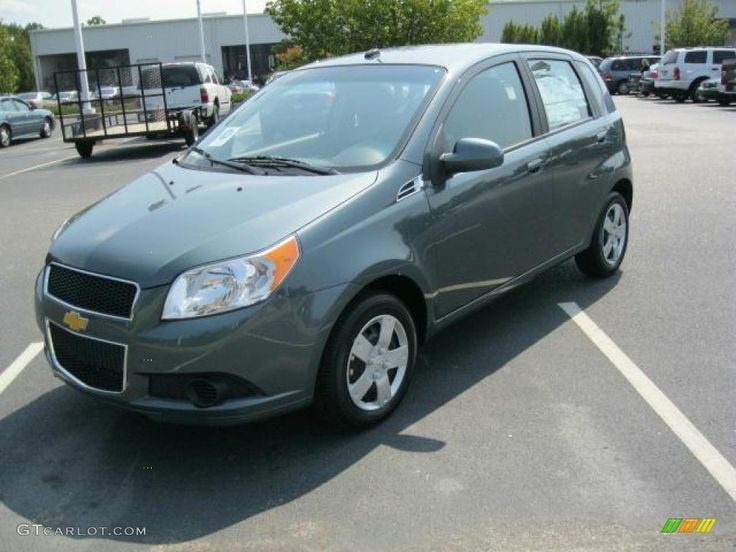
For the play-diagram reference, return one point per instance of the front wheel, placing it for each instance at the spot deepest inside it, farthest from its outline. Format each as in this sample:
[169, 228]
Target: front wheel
[45, 131]
[368, 361]
[4, 136]
[610, 238]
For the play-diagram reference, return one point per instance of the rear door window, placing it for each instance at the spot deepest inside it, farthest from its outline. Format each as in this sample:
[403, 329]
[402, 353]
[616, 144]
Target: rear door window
[719, 56]
[700, 56]
[561, 91]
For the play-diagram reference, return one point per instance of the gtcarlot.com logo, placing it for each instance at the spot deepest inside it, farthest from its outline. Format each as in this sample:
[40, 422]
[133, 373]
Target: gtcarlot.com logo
[36, 529]
[688, 525]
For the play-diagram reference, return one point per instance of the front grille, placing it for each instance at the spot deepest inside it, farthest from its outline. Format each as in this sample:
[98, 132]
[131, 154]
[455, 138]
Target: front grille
[90, 292]
[98, 364]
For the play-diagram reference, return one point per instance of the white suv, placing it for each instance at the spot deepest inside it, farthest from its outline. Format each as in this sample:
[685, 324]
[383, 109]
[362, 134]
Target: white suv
[188, 85]
[682, 70]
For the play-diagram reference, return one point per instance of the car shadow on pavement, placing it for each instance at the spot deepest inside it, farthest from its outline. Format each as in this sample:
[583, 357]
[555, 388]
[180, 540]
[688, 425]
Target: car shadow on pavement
[71, 461]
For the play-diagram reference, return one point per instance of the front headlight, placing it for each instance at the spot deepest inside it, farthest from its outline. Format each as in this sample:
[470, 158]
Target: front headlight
[230, 284]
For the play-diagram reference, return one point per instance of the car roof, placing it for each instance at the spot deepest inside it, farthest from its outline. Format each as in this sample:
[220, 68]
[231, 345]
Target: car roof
[454, 57]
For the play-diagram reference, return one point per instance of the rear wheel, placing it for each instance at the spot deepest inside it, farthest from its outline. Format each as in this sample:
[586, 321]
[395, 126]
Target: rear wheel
[84, 149]
[45, 131]
[680, 98]
[192, 134]
[724, 102]
[368, 361]
[215, 115]
[622, 88]
[4, 136]
[610, 238]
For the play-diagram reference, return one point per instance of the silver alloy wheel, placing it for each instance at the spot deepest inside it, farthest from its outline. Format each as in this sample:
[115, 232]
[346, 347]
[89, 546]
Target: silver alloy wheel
[377, 362]
[46, 127]
[4, 136]
[613, 237]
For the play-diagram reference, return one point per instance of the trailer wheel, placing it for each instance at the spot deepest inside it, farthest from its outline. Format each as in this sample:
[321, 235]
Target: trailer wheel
[191, 134]
[84, 149]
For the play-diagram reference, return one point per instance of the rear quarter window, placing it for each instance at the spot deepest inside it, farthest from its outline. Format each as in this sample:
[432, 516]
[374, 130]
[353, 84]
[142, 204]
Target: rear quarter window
[600, 96]
[696, 57]
[670, 58]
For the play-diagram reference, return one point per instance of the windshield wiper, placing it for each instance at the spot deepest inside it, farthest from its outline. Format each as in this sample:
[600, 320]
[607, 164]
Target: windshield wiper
[243, 167]
[277, 162]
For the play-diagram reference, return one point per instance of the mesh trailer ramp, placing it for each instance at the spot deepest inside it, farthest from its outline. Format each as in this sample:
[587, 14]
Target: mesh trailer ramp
[124, 101]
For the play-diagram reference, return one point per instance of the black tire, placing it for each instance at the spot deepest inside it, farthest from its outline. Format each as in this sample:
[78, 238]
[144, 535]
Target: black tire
[693, 91]
[622, 88]
[191, 135]
[332, 399]
[593, 261]
[45, 131]
[215, 117]
[5, 136]
[680, 98]
[724, 102]
[84, 149]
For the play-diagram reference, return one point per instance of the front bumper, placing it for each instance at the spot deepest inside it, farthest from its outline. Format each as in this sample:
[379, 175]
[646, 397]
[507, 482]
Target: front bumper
[275, 347]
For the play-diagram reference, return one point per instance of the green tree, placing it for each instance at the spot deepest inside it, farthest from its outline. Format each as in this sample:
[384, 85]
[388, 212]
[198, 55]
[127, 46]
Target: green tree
[329, 27]
[8, 71]
[550, 32]
[601, 21]
[96, 20]
[695, 23]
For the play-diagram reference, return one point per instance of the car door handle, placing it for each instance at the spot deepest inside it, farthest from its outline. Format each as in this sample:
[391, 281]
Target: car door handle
[601, 136]
[535, 165]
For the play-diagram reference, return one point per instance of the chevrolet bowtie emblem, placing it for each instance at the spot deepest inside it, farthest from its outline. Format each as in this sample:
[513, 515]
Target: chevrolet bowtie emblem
[76, 321]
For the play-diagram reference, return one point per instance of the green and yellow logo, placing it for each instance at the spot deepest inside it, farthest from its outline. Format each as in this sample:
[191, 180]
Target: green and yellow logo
[688, 525]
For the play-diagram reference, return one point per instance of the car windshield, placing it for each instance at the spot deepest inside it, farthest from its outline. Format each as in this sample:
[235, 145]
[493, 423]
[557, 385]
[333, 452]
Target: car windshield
[28, 95]
[343, 117]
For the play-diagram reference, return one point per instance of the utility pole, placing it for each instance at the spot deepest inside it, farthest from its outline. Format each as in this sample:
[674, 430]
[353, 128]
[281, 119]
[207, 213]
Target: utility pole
[247, 42]
[201, 33]
[81, 62]
[662, 27]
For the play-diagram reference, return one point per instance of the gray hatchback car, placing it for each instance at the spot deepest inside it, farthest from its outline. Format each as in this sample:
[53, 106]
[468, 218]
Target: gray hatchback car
[303, 249]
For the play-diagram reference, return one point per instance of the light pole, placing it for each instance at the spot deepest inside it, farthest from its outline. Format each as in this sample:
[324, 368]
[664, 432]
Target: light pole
[662, 27]
[247, 42]
[81, 62]
[201, 33]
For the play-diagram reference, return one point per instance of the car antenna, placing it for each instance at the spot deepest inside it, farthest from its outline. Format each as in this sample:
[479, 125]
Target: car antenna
[373, 53]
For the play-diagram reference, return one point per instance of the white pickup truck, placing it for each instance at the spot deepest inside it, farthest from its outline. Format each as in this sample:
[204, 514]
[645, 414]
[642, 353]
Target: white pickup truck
[186, 85]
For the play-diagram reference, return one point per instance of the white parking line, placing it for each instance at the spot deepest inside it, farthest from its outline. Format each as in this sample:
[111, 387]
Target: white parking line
[12, 371]
[33, 168]
[721, 470]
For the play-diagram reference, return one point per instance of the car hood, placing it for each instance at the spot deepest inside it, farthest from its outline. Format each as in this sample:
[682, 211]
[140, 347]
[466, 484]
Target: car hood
[175, 218]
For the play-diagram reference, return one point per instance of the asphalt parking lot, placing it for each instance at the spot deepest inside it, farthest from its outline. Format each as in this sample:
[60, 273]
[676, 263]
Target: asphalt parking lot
[517, 433]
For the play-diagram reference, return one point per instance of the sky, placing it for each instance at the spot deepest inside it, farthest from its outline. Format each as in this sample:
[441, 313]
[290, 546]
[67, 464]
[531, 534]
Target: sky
[58, 13]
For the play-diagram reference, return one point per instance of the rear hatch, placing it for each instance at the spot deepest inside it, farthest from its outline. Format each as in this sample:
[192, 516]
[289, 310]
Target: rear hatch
[181, 87]
[666, 70]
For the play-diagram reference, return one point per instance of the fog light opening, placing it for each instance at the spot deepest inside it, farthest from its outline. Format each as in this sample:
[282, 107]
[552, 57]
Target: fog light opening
[205, 393]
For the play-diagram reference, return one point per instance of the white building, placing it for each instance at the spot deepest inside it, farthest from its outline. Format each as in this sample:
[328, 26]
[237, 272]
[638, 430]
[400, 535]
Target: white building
[140, 41]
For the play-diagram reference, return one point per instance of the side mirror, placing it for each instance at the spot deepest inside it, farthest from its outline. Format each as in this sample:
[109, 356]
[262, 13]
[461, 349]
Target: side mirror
[472, 154]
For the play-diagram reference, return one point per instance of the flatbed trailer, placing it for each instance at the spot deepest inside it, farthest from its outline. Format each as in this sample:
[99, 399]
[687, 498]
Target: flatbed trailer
[135, 107]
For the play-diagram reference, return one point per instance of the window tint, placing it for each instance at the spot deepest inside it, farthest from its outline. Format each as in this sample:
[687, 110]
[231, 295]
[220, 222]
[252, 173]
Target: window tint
[720, 55]
[492, 106]
[595, 84]
[561, 91]
[696, 57]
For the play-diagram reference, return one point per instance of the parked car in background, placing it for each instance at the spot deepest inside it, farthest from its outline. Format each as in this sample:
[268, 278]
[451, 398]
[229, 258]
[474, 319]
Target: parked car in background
[35, 99]
[710, 90]
[615, 71]
[66, 96]
[645, 81]
[19, 119]
[728, 82]
[107, 93]
[683, 70]
[278, 273]
[242, 85]
[188, 85]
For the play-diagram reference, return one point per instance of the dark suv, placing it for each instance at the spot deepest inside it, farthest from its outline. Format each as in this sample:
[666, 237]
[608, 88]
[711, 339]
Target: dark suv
[306, 259]
[615, 71]
[728, 81]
